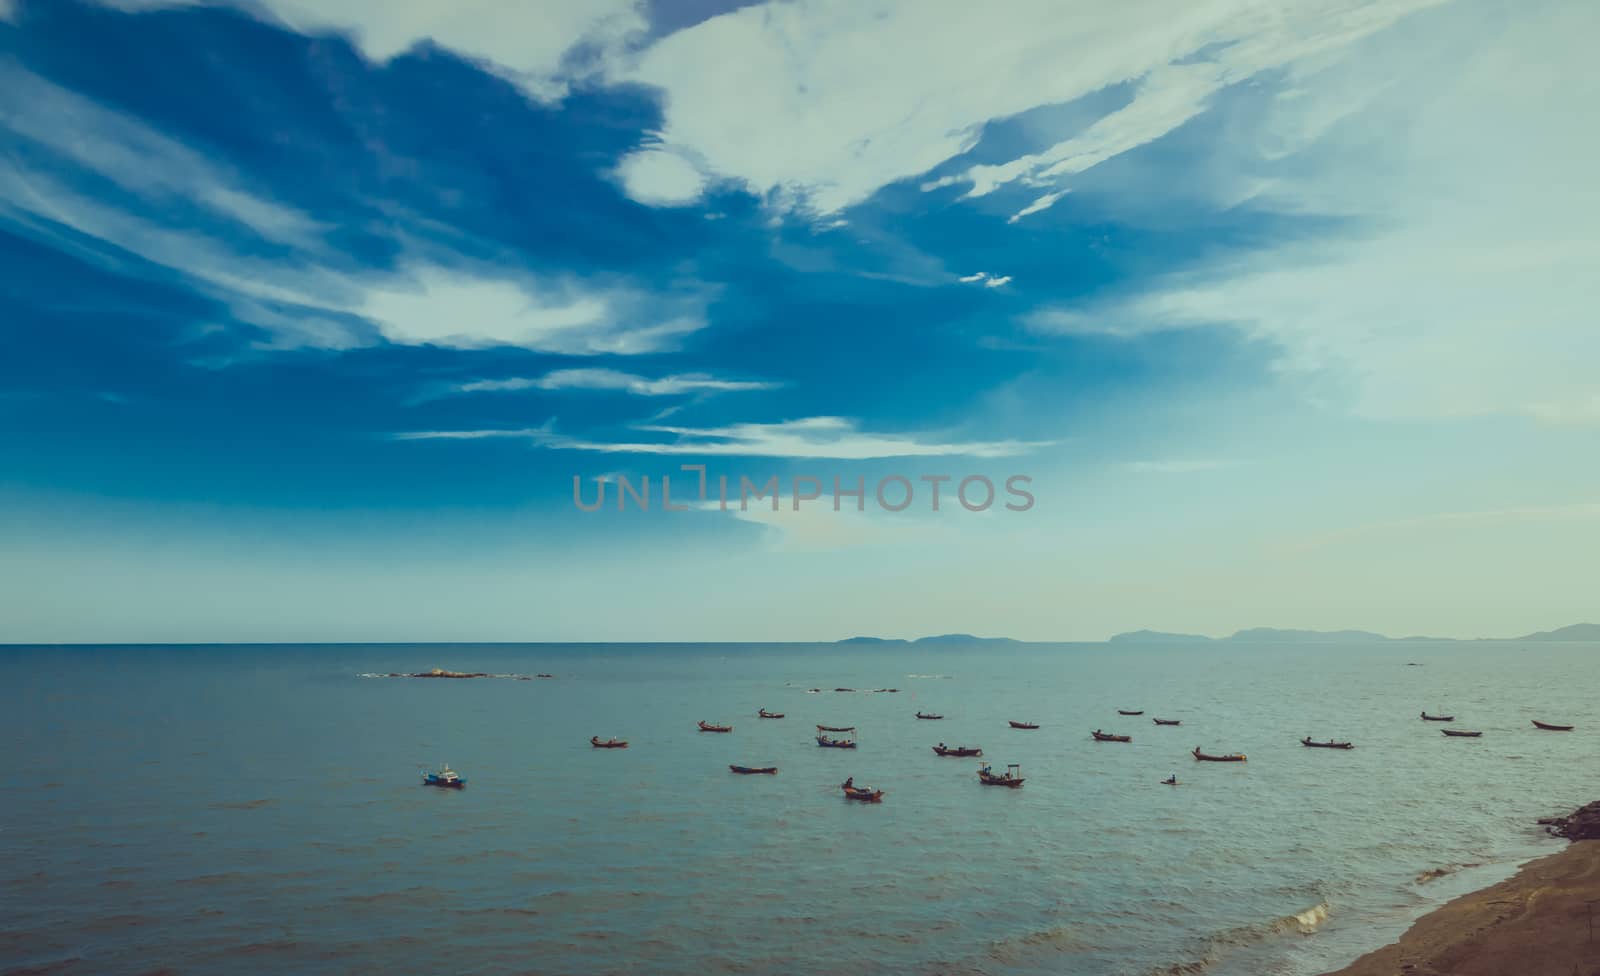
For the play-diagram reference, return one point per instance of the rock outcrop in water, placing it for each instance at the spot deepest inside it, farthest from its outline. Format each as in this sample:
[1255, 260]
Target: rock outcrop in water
[1583, 824]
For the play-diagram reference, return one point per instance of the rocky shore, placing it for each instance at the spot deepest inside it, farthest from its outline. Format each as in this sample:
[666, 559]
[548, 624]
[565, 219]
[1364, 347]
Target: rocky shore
[1540, 922]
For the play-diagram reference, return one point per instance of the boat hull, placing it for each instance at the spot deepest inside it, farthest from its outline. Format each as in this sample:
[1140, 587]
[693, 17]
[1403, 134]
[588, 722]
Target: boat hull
[1206, 757]
[755, 770]
[1546, 726]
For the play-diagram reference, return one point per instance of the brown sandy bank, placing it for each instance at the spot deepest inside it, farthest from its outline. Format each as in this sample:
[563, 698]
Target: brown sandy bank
[1533, 924]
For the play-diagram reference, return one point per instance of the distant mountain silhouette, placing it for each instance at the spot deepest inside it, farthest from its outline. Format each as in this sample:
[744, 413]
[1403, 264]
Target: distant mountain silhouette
[934, 640]
[964, 639]
[1159, 637]
[1273, 635]
[1576, 632]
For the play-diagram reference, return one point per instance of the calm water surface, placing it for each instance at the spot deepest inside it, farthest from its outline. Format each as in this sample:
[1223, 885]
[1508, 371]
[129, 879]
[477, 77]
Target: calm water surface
[256, 810]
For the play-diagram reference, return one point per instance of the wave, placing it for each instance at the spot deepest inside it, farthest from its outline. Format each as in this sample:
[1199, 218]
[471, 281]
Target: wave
[1304, 922]
[1434, 874]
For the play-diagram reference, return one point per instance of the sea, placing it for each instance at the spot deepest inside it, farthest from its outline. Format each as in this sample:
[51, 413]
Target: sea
[259, 809]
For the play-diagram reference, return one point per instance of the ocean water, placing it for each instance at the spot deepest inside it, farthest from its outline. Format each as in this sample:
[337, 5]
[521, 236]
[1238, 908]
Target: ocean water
[257, 810]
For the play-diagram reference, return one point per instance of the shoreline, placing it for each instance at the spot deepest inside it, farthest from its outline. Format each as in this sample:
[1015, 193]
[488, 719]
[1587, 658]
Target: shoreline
[1535, 923]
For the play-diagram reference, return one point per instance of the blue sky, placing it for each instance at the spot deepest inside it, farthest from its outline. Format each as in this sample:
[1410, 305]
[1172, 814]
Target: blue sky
[313, 311]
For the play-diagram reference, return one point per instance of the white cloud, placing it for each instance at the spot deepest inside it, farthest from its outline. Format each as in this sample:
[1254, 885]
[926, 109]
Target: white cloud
[819, 103]
[1039, 204]
[813, 437]
[197, 219]
[986, 279]
[1467, 287]
[663, 179]
[8, 11]
[468, 309]
[611, 379]
[525, 40]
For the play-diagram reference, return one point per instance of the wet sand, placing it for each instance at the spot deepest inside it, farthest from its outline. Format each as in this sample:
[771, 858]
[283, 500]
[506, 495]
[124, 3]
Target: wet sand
[1536, 923]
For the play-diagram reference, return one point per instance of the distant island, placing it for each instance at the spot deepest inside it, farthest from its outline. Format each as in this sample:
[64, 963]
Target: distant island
[1250, 635]
[937, 639]
[1272, 635]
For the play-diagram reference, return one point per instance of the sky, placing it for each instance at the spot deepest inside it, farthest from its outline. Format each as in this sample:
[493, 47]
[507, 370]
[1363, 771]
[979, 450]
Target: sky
[1279, 314]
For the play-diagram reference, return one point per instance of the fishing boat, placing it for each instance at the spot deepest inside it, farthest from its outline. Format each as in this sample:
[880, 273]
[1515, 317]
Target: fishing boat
[1551, 728]
[708, 727]
[1437, 718]
[763, 713]
[1461, 733]
[1012, 777]
[1023, 725]
[754, 770]
[844, 689]
[1330, 744]
[929, 717]
[1124, 711]
[836, 728]
[1100, 736]
[1167, 721]
[1207, 757]
[863, 793]
[828, 743]
[445, 777]
[1170, 781]
[611, 743]
[957, 751]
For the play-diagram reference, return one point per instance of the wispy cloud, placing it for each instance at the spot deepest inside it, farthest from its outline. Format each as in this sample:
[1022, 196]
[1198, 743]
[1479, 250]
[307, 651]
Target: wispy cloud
[526, 42]
[986, 279]
[611, 379]
[813, 437]
[817, 104]
[270, 263]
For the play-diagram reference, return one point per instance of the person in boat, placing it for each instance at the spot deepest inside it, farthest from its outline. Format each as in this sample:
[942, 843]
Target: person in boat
[941, 745]
[850, 783]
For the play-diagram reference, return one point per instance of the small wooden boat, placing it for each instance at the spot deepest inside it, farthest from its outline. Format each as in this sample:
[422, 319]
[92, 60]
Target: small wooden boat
[1330, 744]
[1124, 711]
[1023, 725]
[844, 689]
[1437, 718]
[708, 727]
[611, 743]
[1012, 777]
[445, 777]
[763, 713]
[836, 728]
[1100, 736]
[1461, 733]
[863, 793]
[1551, 728]
[754, 770]
[929, 717]
[1207, 757]
[1172, 781]
[828, 743]
[1168, 721]
[957, 751]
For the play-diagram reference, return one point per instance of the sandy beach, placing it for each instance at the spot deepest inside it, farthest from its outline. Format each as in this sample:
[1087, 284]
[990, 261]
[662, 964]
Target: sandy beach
[1536, 923]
